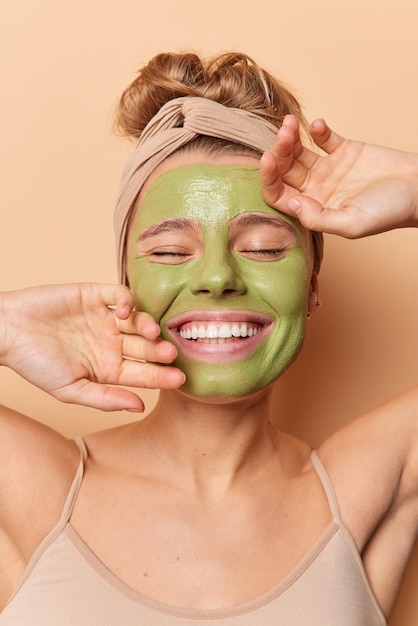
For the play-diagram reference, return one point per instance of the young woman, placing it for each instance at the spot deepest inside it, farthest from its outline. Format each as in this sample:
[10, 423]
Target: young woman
[203, 512]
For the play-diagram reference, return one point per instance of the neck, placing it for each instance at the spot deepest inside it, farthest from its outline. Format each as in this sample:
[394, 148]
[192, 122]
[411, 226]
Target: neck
[211, 446]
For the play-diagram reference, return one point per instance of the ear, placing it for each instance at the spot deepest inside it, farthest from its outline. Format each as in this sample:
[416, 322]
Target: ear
[313, 299]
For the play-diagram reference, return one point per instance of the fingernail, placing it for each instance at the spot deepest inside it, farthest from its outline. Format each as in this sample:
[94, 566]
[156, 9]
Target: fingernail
[294, 205]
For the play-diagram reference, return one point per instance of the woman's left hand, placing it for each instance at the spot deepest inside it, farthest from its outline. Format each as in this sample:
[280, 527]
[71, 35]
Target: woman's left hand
[355, 190]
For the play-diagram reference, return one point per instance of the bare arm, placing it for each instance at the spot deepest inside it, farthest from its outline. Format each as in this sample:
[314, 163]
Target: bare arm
[373, 464]
[82, 344]
[355, 190]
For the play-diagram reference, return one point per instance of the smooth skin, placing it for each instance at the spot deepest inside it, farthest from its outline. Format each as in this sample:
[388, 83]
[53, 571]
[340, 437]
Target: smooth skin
[214, 475]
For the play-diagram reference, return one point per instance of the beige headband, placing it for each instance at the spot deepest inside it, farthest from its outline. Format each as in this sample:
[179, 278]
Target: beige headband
[177, 123]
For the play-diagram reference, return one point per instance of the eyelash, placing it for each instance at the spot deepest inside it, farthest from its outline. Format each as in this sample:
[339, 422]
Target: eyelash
[268, 251]
[162, 253]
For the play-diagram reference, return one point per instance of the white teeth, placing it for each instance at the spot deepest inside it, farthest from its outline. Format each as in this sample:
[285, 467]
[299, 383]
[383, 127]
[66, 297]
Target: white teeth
[212, 331]
[225, 331]
[236, 330]
[220, 332]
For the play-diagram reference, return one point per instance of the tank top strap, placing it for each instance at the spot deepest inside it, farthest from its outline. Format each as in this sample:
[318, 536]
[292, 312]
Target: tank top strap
[327, 486]
[76, 483]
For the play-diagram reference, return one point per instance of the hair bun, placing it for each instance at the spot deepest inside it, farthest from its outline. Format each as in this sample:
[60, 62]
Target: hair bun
[233, 79]
[165, 77]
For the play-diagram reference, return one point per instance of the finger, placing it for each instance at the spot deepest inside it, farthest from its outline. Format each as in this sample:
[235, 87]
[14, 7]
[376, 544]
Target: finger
[293, 160]
[281, 166]
[102, 397]
[124, 302]
[270, 180]
[289, 136]
[288, 142]
[116, 297]
[150, 375]
[157, 351]
[288, 146]
[139, 323]
[314, 216]
[324, 137]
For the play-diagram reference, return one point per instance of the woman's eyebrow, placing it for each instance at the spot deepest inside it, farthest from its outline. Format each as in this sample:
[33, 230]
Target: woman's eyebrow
[245, 220]
[169, 225]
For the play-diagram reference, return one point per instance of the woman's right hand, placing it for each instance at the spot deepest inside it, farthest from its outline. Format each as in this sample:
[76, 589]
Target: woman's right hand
[82, 342]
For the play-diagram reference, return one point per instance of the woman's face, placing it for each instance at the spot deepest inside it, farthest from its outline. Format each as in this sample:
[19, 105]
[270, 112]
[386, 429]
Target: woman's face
[226, 276]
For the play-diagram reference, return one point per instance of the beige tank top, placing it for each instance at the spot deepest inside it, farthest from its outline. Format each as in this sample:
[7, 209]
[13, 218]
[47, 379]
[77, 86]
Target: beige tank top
[65, 584]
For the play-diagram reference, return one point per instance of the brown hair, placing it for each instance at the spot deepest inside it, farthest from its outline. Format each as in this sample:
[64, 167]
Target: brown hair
[232, 79]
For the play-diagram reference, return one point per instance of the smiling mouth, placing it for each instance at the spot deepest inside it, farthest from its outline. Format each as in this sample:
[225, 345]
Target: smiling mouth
[218, 332]
[219, 336]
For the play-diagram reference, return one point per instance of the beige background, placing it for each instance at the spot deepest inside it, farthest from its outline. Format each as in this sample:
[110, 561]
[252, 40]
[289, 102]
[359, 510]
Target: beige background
[63, 65]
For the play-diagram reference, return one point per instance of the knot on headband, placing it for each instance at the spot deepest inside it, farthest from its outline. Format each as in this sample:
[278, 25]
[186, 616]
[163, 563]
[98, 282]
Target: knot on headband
[177, 123]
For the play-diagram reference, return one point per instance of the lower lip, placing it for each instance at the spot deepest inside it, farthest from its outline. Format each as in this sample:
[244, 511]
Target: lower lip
[234, 349]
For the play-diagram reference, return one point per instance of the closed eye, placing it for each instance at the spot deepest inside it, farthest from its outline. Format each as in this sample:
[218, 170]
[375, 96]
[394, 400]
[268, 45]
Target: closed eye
[172, 241]
[261, 237]
[263, 254]
[170, 255]
[261, 251]
[167, 253]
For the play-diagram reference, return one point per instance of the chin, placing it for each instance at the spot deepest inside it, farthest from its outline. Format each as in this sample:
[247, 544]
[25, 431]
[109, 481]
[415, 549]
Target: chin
[227, 382]
[221, 391]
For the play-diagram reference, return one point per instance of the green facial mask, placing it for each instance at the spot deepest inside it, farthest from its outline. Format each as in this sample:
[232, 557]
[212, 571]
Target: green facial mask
[206, 251]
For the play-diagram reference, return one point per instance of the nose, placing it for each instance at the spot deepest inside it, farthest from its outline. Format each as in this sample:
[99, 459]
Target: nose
[217, 275]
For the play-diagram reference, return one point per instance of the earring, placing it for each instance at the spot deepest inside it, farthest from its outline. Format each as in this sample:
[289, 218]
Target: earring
[308, 315]
[318, 303]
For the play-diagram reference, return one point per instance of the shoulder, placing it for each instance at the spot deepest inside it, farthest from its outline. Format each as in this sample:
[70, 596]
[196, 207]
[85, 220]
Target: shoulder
[373, 464]
[37, 468]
